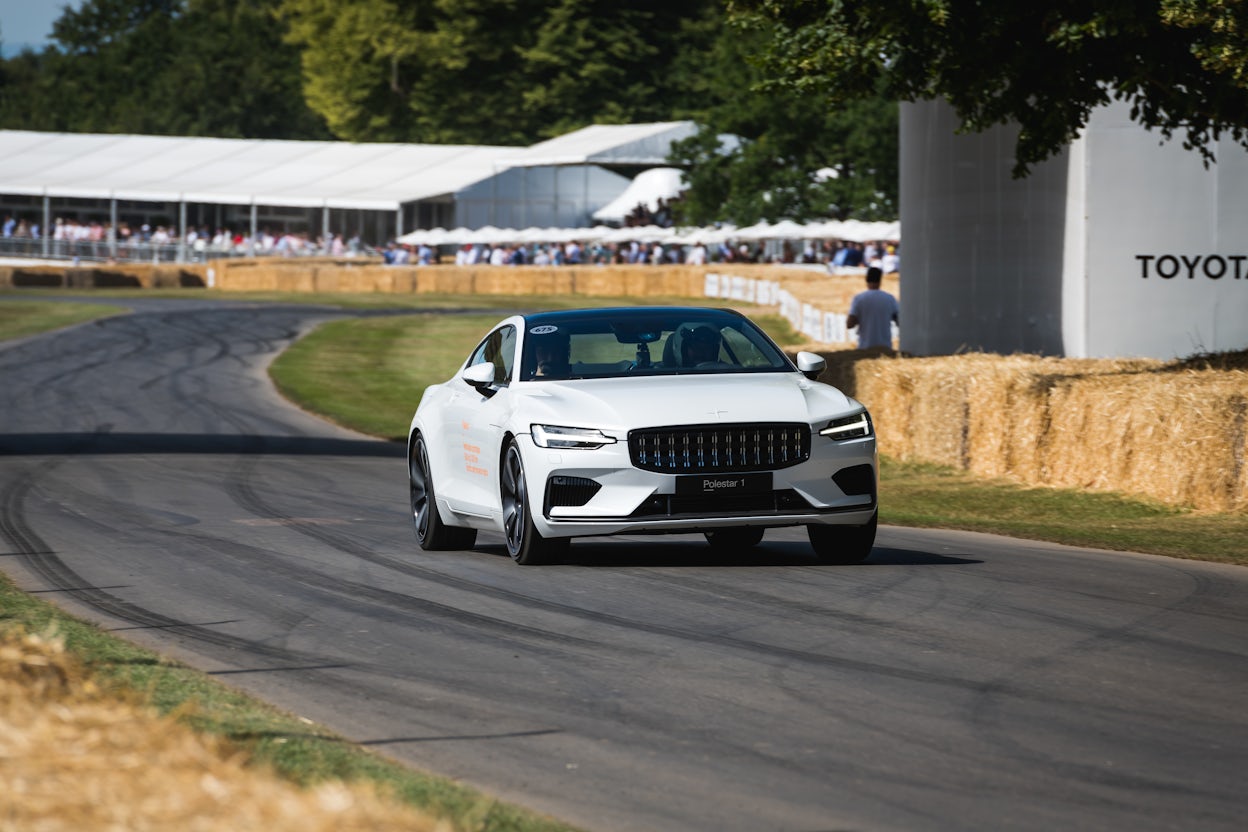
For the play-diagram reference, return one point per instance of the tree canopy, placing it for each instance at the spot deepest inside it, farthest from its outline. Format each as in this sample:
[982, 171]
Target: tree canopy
[790, 154]
[496, 71]
[171, 67]
[1181, 64]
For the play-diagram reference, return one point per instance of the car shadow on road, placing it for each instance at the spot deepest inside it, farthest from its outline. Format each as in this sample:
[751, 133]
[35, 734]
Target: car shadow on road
[602, 552]
[100, 442]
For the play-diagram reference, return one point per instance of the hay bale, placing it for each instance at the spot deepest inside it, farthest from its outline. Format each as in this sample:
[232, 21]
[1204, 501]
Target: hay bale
[1138, 426]
[1175, 436]
[72, 757]
[609, 281]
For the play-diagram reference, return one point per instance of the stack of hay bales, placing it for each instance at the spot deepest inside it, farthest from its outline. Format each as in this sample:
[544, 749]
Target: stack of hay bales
[1174, 432]
[338, 275]
[110, 276]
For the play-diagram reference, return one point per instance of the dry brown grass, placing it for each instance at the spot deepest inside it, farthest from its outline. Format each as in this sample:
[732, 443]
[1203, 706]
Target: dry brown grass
[1171, 431]
[73, 757]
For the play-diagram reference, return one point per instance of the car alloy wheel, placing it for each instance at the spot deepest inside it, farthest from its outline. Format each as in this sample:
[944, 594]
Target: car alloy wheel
[431, 533]
[525, 545]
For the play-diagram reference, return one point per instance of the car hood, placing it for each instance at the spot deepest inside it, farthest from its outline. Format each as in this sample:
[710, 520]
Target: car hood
[623, 404]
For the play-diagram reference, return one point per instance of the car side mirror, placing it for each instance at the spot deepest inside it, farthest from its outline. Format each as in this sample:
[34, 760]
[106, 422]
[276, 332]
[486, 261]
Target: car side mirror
[480, 376]
[810, 364]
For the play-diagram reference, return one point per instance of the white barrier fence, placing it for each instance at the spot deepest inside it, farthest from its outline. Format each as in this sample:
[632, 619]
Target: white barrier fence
[817, 324]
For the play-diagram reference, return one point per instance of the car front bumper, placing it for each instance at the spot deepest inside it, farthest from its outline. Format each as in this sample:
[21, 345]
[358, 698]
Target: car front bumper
[835, 486]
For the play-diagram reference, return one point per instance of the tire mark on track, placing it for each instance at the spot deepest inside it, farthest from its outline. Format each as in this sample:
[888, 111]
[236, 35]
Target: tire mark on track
[38, 556]
[239, 489]
[135, 346]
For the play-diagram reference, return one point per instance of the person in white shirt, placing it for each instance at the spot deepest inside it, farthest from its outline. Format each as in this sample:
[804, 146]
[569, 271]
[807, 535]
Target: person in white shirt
[891, 261]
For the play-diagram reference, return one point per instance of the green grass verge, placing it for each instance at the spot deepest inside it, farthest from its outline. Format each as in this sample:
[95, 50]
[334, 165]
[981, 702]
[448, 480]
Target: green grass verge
[917, 494]
[19, 318]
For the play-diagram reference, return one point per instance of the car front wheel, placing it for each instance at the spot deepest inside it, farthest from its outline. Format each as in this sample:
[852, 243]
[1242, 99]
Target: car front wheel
[431, 533]
[843, 544]
[525, 545]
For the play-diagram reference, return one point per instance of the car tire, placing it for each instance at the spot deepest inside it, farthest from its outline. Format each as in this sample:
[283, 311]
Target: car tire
[431, 533]
[843, 544]
[525, 544]
[735, 540]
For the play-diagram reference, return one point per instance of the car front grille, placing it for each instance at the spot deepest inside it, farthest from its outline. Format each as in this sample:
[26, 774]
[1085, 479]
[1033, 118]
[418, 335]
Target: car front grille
[706, 449]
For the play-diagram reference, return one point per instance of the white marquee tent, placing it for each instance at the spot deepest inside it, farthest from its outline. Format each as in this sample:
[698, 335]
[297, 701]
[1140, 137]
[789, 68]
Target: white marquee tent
[475, 184]
[238, 171]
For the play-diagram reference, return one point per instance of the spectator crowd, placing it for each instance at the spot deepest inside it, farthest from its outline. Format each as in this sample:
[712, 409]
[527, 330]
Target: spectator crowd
[831, 254]
[94, 240]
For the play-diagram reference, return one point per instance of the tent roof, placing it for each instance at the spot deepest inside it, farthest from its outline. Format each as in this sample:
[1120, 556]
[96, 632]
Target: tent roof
[299, 173]
[238, 171]
[607, 144]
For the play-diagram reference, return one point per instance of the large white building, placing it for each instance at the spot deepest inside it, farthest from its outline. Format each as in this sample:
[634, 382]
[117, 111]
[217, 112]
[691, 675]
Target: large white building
[1121, 246]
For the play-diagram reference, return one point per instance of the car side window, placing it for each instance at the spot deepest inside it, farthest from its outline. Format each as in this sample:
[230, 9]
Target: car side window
[499, 349]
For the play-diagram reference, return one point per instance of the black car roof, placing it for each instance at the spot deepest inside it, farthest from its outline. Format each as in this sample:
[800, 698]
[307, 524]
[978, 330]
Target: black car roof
[616, 313]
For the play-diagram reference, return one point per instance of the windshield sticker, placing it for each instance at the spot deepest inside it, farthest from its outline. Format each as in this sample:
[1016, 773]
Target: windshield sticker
[544, 329]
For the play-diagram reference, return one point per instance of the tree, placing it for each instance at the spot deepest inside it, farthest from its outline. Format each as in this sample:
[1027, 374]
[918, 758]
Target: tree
[170, 67]
[791, 156]
[602, 61]
[1044, 66]
[495, 71]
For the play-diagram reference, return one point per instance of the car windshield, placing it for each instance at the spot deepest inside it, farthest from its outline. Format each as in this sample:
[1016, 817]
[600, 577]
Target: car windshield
[610, 343]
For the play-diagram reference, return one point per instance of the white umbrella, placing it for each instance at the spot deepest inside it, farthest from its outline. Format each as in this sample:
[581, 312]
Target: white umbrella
[788, 230]
[826, 230]
[458, 235]
[758, 231]
[413, 238]
[484, 234]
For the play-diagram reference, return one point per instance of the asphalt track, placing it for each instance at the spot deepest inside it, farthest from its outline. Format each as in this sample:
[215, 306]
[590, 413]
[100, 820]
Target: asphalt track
[152, 481]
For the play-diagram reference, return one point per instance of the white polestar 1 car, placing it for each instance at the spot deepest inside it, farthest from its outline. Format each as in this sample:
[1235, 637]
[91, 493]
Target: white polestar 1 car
[640, 421]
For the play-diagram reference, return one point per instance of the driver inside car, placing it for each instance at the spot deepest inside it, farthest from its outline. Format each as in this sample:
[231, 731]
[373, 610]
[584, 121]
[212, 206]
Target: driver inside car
[698, 345]
[551, 353]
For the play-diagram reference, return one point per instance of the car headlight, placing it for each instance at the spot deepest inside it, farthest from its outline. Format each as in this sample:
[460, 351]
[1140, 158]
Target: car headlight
[849, 427]
[554, 436]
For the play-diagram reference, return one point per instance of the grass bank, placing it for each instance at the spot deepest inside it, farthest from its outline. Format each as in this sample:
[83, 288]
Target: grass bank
[19, 317]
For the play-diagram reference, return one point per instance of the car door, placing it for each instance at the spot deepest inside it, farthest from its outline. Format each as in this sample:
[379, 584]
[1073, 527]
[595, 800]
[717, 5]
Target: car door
[475, 419]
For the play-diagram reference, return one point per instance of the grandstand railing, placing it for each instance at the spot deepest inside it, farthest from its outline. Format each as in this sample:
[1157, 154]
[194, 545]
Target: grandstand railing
[138, 251]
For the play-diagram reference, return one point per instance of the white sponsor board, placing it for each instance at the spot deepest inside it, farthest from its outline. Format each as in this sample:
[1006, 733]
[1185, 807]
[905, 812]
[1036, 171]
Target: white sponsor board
[1121, 246]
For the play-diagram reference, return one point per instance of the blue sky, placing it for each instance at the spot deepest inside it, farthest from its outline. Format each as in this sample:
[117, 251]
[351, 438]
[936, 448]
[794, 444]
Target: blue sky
[28, 22]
